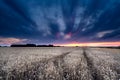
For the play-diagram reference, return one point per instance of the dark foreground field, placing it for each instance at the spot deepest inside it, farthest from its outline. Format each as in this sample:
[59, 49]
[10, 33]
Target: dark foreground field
[59, 63]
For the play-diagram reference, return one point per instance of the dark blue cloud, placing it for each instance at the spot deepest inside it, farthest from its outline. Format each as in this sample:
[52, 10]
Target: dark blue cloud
[60, 20]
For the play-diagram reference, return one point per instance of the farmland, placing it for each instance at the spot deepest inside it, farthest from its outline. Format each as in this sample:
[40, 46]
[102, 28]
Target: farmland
[59, 63]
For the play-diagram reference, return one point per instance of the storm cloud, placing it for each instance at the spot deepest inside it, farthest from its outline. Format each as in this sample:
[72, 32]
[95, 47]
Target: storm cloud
[60, 21]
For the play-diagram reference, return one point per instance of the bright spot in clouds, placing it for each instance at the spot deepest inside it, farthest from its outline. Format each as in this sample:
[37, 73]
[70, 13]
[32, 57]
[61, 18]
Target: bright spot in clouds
[68, 36]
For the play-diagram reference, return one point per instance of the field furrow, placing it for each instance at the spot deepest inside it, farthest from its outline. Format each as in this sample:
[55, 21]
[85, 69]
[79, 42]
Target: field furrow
[59, 63]
[102, 64]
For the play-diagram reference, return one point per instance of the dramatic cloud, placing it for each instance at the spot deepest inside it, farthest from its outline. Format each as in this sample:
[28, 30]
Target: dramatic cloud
[60, 21]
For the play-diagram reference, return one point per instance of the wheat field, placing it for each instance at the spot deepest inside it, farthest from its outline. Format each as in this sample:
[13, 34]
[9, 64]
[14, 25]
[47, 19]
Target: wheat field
[59, 63]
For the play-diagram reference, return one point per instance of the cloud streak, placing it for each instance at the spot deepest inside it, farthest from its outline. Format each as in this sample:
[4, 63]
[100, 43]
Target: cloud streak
[103, 33]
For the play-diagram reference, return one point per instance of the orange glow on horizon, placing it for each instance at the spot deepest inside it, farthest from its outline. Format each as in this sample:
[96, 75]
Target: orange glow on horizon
[90, 44]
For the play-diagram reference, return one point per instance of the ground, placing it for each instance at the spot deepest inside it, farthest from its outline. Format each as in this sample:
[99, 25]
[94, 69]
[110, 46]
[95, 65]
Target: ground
[59, 63]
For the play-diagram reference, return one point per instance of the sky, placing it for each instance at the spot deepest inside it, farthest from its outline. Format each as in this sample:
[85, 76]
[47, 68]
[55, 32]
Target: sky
[59, 21]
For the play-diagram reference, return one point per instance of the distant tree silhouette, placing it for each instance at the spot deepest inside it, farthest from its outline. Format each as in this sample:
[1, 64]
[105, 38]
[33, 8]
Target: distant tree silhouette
[23, 45]
[118, 47]
[41, 45]
[45, 45]
[31, 45]
[50, 45]
[111, 47]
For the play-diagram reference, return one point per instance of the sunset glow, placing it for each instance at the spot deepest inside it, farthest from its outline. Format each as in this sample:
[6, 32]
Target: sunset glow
[90, 44]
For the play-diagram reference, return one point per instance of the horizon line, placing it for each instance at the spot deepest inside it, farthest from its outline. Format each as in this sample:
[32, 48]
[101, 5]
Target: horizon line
[73, 44]
[92, 44]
